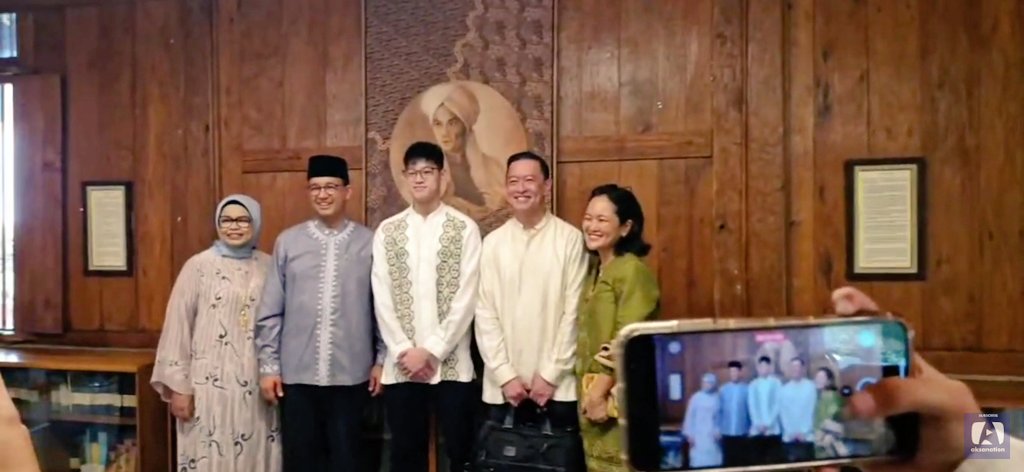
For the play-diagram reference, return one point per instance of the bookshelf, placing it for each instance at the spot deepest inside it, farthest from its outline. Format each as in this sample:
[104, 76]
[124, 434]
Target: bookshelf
[89, 410]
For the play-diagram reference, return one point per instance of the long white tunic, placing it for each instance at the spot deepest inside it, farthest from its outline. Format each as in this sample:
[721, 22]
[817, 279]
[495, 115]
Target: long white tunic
[701, 427]
[206, 350]
[530, 283]
[425, 274]
[763, 403]
[797, 401]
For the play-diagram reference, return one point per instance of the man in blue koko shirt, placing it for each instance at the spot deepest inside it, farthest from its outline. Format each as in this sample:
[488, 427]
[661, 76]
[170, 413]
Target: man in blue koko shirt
[735, 420]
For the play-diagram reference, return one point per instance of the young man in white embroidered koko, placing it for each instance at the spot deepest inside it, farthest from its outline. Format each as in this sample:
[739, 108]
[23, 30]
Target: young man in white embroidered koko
[531, 273]
[320, 364]
[425, 273]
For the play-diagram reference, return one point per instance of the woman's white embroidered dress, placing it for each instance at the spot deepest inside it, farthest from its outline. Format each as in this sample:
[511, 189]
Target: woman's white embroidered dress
[207, 350]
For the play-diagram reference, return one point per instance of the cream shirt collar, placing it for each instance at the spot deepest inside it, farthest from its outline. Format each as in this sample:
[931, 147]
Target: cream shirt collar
[440, 210]
[544, 221]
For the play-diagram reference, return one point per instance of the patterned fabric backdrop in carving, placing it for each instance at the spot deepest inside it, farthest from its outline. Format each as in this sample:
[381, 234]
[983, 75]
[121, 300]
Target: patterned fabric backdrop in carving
[504, 48]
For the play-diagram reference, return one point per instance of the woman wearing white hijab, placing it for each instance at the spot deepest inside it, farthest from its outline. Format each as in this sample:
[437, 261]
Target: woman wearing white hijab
[701, 425]
[206, 365]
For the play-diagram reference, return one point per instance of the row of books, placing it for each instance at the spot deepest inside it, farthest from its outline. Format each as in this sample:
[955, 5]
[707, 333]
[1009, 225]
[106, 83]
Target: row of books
[85, 393]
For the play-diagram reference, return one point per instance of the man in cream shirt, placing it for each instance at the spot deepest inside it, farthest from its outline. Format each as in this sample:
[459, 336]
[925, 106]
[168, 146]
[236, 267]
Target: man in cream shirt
[531, 273]
[425, 272]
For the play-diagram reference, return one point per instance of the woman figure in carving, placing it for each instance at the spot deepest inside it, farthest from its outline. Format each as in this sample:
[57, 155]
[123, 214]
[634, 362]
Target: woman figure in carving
[474, 181]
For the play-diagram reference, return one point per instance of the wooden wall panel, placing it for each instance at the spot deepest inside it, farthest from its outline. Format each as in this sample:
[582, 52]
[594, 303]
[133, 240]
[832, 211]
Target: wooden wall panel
[894, 120]
[138, 109]
[159, 142]
[803, 294]
[1001, 181]
[194, 173]
[290, 86]
[915, 90]
[118, 312]
[729, 118]
[729, 173]
[766, 182]
[38, 229]
[796, 89]
[635, 108]
[41, 41]
[86, 144]
[840, 126]
[685, 236]
[949, 33]
[184, 98]
[261, 68]
[913, 78]
[633, 83]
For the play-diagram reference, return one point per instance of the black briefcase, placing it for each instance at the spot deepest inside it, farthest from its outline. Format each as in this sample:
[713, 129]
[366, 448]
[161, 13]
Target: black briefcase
[527, 447]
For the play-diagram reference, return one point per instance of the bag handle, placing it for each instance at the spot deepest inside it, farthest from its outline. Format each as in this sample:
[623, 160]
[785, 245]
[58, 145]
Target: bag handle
[546, 428]
[510, 419]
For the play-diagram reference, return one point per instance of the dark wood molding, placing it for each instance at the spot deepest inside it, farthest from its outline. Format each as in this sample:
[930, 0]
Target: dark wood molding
[106, 339]
[995, 364]
[634, 146]
[32, 4]
[294, 160]
[996, 392]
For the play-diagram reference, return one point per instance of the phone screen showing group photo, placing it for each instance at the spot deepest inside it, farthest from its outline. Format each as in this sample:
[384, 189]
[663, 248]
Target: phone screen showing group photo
[744, 398]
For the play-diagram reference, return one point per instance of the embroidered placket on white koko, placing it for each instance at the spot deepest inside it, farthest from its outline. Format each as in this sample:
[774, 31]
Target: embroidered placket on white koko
[425, 285]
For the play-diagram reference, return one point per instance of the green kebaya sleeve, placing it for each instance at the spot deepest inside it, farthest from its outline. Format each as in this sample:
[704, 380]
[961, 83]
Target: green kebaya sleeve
[638, 296]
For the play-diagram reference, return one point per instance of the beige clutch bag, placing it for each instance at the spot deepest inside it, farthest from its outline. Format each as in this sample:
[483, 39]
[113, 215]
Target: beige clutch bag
[604, 357]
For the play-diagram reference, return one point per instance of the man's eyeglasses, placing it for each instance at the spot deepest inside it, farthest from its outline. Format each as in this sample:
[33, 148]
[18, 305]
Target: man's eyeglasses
[331, 189]
[242, 222]
[423, 173]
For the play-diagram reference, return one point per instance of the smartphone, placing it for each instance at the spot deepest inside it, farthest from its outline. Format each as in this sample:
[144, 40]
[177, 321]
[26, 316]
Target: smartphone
[768, 394]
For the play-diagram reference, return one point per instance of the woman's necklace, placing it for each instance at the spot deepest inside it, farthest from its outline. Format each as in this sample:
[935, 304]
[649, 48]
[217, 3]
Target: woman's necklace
[243, 319]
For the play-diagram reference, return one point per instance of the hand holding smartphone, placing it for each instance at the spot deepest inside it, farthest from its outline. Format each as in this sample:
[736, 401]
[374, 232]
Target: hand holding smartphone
[734, 395]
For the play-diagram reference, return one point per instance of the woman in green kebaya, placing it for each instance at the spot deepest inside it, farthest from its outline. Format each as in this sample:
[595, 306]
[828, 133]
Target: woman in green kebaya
[619, 289]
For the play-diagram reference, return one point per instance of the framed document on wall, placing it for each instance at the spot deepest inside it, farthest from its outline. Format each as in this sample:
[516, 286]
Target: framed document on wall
[885, 219]
[108, 228]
